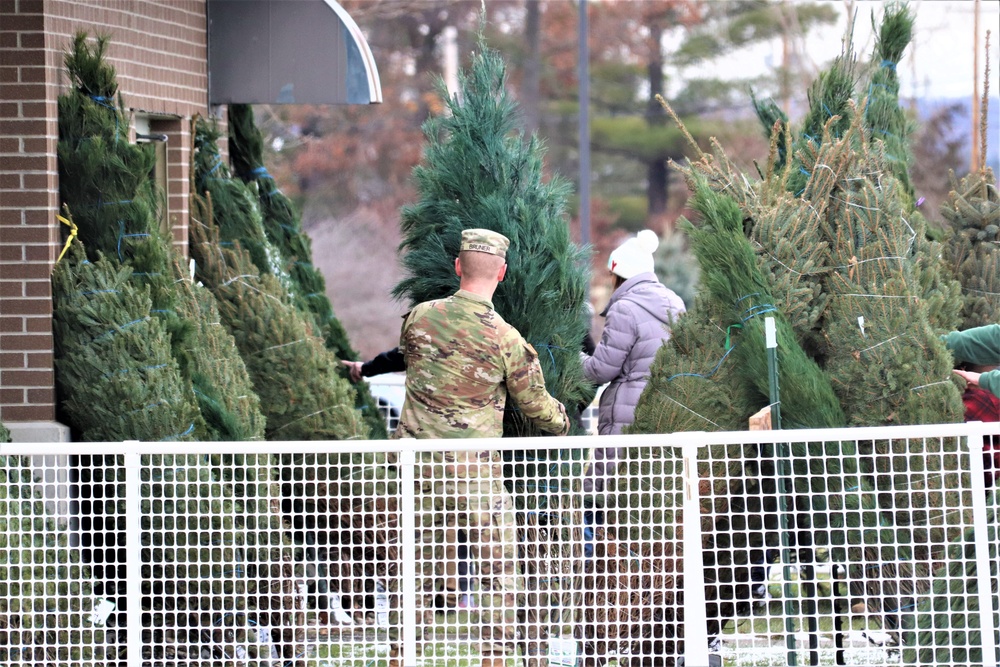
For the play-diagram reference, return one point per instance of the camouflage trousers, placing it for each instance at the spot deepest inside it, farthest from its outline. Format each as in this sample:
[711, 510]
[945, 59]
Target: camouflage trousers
[465, 491]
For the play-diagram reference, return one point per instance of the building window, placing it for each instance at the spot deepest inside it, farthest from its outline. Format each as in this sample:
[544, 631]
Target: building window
[148, 129]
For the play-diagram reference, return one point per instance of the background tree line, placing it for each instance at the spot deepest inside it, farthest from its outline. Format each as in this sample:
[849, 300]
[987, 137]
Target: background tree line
[349, 167]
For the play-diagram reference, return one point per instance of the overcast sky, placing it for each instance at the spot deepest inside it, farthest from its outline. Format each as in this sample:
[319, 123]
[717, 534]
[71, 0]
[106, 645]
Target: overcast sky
[937, 63]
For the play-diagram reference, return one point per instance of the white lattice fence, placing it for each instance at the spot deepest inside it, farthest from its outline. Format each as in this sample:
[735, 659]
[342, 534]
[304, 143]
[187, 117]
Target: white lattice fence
[852, 546]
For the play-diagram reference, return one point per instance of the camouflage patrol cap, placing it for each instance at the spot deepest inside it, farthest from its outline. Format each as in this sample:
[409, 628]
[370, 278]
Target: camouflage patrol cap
[484, 240]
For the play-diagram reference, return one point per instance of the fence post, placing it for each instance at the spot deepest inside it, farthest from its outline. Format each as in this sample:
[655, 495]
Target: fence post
[984, 585]
[133, 554]
[407, 539]
[695, 607]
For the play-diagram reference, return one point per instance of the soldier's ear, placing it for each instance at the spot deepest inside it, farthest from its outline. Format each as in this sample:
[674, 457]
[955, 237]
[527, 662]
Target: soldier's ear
[458, 267]
[502, 273]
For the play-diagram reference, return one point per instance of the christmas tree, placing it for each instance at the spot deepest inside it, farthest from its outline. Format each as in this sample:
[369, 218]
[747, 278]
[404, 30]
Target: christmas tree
[114, 363]
[301, 392]
[45, 608]
[104, 180]
[139, 356]
[973, 248]
[233, 413]
[845, 269]
[303, 398]
[478, 172]
[887, 130]
[843, 261]
[283, 227]
[886, 120]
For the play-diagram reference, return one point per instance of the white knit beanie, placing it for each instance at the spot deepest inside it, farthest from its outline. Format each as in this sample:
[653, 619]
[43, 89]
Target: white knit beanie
[635, 256]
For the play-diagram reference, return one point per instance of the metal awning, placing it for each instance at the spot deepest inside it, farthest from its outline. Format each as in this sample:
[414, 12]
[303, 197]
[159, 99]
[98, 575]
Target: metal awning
[288, 52]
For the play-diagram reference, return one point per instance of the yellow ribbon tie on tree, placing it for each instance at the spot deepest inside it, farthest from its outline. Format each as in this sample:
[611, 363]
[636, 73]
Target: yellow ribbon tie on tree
[72, 235]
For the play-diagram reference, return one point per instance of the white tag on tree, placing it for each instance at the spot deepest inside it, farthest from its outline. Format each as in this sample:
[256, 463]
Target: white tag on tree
[102, 610]
[770, 333]
[562, 652]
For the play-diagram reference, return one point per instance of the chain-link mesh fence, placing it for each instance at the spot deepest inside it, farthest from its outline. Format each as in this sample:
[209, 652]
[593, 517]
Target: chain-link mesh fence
[854, 546]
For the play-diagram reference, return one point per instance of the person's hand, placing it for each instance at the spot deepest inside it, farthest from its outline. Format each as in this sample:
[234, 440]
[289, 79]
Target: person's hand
[355, 369]
[569, 424]
[969, 376]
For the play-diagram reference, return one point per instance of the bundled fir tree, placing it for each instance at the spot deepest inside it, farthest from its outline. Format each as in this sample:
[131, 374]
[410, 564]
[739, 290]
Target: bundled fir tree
[887, 130]
[973, 250]
[304, 399]
[283, 227]
[886, 120]
[114, 364]
[138, 360]
[302, 395]
[104, 180]
[46, 592]
[232, 409]
[843, 261]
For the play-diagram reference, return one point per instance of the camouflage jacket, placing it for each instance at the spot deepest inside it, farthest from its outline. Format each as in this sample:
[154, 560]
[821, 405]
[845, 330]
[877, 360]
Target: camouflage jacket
[462, 360]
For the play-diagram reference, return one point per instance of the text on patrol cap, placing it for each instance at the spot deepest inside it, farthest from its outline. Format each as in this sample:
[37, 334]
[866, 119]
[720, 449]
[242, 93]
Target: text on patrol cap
[484, 240]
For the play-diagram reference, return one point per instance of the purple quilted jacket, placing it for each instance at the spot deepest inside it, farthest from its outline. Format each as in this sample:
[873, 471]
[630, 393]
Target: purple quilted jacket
[637, 324]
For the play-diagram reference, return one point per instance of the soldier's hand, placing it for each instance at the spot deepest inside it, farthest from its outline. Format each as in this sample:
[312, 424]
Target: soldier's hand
[355, 369]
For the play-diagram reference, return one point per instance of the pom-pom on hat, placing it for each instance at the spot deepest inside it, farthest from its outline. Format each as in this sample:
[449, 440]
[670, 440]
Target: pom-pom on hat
[484, 240]
[635, 256]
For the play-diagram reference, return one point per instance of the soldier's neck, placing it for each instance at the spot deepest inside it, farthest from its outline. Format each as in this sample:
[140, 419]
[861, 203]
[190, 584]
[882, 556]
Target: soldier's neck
[481, 288]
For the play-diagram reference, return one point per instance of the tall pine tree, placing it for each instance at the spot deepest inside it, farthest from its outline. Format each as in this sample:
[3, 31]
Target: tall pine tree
[478, 172]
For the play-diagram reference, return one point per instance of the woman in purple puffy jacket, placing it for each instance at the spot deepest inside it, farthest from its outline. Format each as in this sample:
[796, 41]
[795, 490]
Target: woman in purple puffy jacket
[637, 323]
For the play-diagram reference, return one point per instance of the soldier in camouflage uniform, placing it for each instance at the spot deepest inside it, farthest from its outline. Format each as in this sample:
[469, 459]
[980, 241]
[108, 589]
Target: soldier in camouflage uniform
[462, 361]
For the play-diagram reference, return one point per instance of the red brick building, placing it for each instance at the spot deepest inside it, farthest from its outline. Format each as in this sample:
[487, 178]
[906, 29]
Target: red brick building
[160, 51]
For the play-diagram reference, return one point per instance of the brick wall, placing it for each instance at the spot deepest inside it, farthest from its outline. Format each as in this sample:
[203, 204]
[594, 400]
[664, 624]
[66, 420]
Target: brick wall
[159, 50]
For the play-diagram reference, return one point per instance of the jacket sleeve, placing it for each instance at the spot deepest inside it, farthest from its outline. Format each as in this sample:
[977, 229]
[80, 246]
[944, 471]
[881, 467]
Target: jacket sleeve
[390, 361]
[979, 345]
[616, 342]
[990, 381]
[526, 386]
